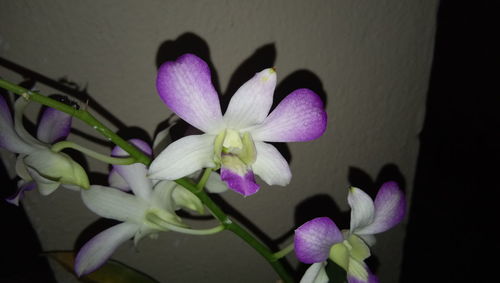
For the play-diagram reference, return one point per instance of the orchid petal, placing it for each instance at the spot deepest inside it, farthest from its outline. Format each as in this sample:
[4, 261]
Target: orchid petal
[96, 251]
[215, 184]
[270, 165]
[8, 137]
[162, 196]
[314, 239]
[45, 186]
[117, 181]
[142, 145]
[185, 86]
[316, 273]
[299, 117]
[135, 174]
[184, 198]
[19, 107]
[252, 102]
[357, 271]
[390, 207]
[19, 194]
[115, 204]
[369, 239]
[21, 169]
[183, 157]
[53, 126]
[362, 209]
[240, 182]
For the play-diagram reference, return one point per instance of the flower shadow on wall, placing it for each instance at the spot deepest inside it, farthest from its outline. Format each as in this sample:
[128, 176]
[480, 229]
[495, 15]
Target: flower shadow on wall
[264, 57]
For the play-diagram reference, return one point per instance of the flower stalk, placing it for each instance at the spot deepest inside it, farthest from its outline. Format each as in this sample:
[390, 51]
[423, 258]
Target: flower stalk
[101, 157]
[285, 251]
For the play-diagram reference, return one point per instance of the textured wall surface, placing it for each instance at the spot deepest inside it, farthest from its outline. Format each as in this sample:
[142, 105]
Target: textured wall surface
[370, 60]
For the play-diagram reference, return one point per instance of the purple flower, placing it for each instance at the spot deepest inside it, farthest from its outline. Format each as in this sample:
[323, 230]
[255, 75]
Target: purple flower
[235, 142]
[36, 163]
[319, 239]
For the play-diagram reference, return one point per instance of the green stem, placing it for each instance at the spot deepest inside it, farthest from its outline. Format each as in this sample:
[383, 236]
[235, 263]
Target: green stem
[83, 115]
[139, 156]
[204, 178]
[165, 225]
[237, 229]
[96, 155]
[283, 252]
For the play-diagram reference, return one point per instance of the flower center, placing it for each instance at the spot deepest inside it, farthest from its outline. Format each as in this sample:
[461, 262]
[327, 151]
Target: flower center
[160, 219]
[234, 150]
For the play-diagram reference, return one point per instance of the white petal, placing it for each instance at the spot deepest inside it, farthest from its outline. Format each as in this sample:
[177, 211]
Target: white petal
[185, 86]
[135, 174]
[316, 273]
[19, 107]
[117, 181]
[44, 185]
[115, 204]
[8, 137]
[184, 157]
[390, 208]
[253, 100]
[96, 251]
[369, 239]
[21, 169]
[270, 165]
[162, 196]
[362, 209]
[184, 198]
[357, 271]
[214, 184]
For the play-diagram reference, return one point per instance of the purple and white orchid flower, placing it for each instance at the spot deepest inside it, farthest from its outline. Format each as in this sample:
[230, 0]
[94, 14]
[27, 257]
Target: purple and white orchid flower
[319, 239]
[36, 163]
[149, 210]
[234, 142]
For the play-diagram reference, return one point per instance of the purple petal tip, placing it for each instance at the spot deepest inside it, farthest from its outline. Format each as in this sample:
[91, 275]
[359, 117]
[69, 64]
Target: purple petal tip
[142, 145]
[314, 239]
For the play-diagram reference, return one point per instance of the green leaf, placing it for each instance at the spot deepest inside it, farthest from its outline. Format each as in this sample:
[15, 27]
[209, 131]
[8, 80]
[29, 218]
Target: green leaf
[111, 272]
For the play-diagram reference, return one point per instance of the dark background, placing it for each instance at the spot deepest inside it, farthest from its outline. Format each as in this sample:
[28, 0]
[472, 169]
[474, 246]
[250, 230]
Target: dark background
[455, 205]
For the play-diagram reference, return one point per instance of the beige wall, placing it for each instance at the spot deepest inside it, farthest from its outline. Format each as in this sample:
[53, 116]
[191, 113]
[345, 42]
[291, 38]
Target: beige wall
[370, 58]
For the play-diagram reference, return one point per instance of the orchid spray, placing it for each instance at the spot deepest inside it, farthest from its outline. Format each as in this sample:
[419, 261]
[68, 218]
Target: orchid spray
[144, 191]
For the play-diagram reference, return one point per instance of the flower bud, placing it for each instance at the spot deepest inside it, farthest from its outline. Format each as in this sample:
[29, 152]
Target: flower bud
[56, 167]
